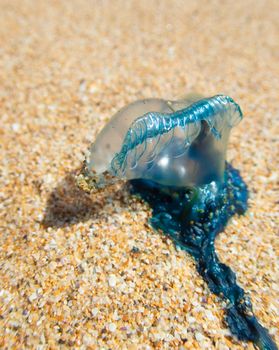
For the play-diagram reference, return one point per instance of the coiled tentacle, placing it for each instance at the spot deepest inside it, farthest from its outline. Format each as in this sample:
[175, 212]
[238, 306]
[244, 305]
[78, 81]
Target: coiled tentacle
[193, 218]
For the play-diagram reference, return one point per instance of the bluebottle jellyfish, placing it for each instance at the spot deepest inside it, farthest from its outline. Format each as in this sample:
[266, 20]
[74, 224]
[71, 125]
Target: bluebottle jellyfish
[174, 155]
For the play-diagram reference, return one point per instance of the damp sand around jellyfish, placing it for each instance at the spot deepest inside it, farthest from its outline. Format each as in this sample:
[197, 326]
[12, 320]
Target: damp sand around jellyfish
[174, 155]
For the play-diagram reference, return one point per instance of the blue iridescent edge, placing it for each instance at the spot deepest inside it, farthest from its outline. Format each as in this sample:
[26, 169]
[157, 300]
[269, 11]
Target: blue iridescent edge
[193, 218]
[153, 124]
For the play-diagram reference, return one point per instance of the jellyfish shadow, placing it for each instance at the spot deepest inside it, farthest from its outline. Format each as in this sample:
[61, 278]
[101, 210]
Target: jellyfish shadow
[67, 204]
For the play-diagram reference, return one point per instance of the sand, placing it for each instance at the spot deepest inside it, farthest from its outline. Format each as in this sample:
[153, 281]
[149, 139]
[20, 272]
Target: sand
[88, 272]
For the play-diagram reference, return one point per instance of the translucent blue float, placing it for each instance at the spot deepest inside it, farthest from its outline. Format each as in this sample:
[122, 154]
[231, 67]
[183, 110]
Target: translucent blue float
[176, 143]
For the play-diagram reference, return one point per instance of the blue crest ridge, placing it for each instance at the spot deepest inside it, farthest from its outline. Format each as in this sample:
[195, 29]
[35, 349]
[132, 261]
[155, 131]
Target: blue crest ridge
[152, 124]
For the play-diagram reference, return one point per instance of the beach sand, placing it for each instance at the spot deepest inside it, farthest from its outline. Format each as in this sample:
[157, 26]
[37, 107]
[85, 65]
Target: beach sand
[87, 271]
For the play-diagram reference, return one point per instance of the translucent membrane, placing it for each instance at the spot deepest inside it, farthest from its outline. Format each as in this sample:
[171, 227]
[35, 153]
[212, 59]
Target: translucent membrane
[175, 143]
